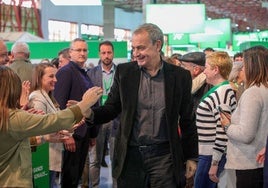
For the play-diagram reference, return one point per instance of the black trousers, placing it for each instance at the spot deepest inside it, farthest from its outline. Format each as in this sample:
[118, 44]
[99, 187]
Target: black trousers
[249, 178]
[73, 163]
[148, 166]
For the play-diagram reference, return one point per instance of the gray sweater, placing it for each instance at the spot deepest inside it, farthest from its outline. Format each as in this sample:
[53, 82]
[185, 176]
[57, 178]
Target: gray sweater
[248, 130]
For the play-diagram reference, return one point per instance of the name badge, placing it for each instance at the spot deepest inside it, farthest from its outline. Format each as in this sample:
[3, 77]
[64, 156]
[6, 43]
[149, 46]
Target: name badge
[103, 99]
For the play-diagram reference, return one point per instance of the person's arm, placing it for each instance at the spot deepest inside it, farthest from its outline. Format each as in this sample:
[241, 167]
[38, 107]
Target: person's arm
[112, 107]
[188, 131]
[25, 124]
[250, 111]
[187, 122]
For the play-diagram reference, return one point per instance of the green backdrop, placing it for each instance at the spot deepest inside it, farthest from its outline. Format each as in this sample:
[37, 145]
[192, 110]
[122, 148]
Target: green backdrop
[40, 50]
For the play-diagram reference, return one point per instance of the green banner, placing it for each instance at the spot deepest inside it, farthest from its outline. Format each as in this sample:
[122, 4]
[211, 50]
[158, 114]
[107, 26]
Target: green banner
[40, 165]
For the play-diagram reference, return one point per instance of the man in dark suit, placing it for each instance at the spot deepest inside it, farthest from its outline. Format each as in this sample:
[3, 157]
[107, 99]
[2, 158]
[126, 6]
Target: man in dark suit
[72, 82]
[153, 97]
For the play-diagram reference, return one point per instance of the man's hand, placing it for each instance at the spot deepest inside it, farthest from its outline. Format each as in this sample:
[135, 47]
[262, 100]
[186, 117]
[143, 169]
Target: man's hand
[69, 144]
[189, 174]
[190, 168]
[92, 142]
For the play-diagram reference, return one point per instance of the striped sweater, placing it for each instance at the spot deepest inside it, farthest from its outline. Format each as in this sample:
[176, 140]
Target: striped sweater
[212, 139]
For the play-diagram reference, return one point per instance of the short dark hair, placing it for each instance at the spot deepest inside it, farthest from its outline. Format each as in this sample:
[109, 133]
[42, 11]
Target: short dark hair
[238, 54]
[209, 49]
[106, 42]
[65, 53]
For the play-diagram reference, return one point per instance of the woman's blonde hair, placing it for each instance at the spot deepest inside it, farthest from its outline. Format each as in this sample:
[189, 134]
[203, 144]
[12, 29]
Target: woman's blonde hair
[10, 87]
[222, 60]
[256, 66]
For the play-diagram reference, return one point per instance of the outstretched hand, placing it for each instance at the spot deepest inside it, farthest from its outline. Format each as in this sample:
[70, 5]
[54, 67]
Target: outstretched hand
[90, 97]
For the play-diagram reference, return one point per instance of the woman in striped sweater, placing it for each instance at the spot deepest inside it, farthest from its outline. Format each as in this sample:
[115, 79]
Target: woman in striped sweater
[211, 136]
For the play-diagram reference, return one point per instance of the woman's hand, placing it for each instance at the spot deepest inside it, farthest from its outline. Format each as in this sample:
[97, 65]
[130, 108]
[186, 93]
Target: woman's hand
[225, 119]
[71, 103]
[90, 97]
[24, 97]
[82, 122]
[261, 156]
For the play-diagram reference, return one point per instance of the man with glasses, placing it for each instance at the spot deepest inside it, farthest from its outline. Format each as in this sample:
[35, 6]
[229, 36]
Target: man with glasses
[3, 53]
[72, 82]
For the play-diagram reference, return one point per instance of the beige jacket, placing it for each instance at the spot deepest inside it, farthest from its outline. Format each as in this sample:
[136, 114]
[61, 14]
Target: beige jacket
[40, 100]
[15, 152]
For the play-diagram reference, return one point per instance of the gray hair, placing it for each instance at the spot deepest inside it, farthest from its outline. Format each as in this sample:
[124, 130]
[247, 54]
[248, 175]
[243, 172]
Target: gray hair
[20, 47]
[237, 67]
[155, 33]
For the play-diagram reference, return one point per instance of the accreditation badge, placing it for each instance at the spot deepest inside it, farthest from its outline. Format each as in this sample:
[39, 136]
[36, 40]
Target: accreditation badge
[103, 99]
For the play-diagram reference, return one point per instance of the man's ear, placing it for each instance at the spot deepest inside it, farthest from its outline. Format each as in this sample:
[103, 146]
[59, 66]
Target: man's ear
[159, 45]
[196, 71]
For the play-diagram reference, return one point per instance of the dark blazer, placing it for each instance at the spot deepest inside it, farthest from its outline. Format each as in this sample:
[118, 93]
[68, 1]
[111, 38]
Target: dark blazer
[72, 83]
[123, 98]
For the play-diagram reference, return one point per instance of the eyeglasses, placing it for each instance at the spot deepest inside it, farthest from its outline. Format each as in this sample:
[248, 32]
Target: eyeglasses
[80, 50]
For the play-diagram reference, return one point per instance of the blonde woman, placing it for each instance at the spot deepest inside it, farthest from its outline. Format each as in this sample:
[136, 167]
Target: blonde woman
[212, 139]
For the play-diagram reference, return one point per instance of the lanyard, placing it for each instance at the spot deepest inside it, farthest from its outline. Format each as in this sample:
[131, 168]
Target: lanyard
[213, 89]
[107, 84]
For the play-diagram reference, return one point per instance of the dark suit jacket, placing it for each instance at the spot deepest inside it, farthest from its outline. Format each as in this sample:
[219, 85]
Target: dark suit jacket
[123, 99]
[71, 85]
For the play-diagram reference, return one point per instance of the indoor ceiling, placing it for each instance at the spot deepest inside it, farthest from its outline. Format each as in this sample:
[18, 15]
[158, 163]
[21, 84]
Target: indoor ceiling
[245, 15]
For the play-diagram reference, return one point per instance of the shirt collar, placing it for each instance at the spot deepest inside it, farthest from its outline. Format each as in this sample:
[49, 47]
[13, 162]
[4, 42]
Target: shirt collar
[111, 70]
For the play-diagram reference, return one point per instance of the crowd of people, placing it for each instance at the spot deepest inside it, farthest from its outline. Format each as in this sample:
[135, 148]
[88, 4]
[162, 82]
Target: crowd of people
[178, 121]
